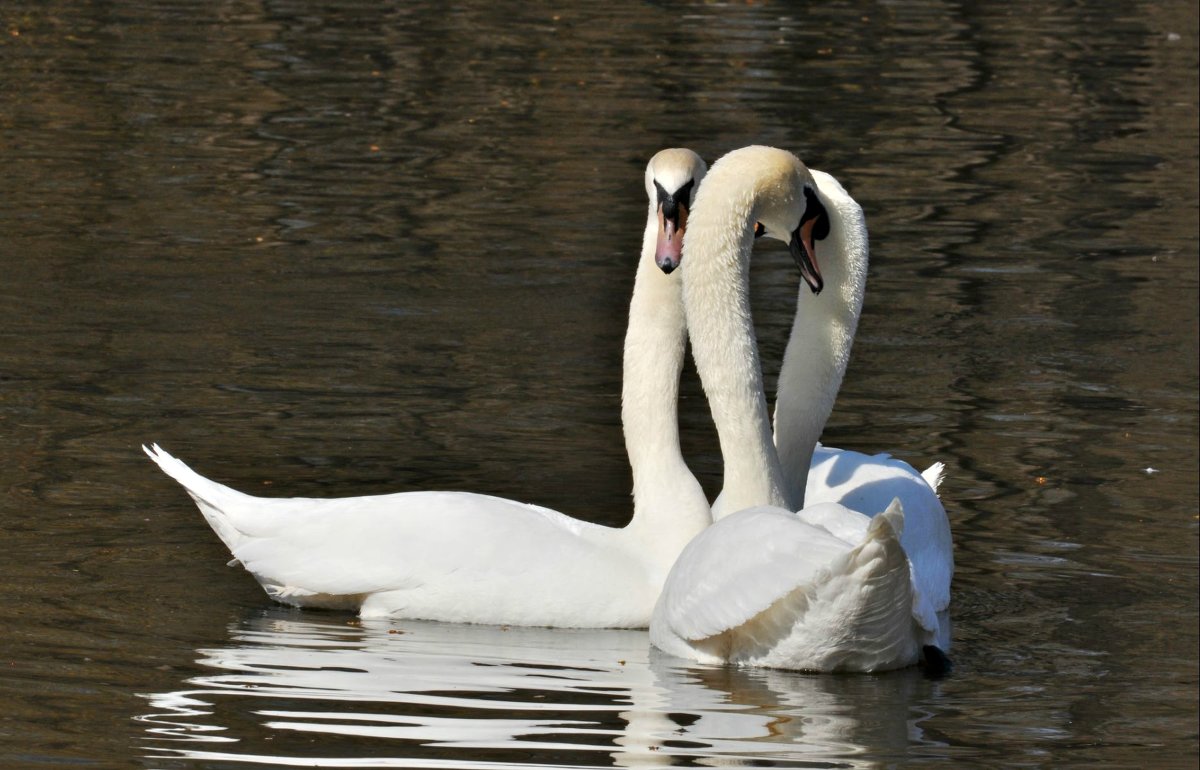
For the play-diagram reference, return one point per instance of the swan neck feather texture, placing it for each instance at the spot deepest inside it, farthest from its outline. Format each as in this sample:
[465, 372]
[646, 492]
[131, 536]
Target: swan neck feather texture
[818, 350]
[740, 188]
[669, 505]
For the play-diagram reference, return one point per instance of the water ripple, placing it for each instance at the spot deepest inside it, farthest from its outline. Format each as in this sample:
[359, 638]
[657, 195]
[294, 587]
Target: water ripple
[289, 689]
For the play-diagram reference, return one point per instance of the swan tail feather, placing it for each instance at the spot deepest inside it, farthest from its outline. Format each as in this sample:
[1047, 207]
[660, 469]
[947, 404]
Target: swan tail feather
[214, 500]
[934, 475]
[878, 616]
[893, 517]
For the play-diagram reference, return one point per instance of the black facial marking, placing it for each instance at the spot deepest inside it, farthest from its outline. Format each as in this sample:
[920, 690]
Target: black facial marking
[814, 209]
[670, 203]
[684, 193]
[662, 194]
[759, 230]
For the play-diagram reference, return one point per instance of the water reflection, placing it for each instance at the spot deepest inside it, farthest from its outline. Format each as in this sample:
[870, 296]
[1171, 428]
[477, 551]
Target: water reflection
[288, 688]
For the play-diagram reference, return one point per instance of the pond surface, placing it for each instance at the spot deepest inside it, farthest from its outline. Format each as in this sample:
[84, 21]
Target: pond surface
[349, 248]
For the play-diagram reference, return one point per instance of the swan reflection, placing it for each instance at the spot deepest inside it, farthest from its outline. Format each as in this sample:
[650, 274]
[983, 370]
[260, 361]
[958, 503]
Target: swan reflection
[291, 689]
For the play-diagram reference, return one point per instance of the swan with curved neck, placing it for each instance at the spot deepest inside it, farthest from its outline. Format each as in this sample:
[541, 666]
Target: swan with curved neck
[465, 557]
[825, 588]
[818, 349]
[814, 363]
[833, 241]
[717, 303]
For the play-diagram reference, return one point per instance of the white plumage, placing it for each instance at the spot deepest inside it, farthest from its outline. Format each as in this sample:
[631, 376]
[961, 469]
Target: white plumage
[768, 587]
[473, 558]
[869, 483]
[827, 588]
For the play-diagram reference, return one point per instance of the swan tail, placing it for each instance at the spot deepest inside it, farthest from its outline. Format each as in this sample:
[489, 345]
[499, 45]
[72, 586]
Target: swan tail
[934, 475]
[890, 523]
[878, 615]
[214, 500]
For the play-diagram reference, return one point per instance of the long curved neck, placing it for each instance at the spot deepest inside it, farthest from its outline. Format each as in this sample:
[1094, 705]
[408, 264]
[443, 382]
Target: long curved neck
[716, 266]
[669, 506]
[818, 349]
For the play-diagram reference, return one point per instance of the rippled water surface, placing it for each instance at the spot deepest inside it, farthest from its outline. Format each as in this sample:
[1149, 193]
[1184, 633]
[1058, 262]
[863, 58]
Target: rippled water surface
[346, 248]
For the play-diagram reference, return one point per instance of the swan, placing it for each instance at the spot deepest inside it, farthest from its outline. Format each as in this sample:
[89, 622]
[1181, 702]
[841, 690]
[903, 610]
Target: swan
[825, 588]
[463, 557]
[814, 363]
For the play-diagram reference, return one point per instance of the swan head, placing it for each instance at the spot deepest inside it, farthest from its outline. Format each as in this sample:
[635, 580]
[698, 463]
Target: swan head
[787, 205]
[672, 178]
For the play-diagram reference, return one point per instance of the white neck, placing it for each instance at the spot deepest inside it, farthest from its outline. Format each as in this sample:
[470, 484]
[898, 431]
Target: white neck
[669, 506]
[716, 264]
[818, 349]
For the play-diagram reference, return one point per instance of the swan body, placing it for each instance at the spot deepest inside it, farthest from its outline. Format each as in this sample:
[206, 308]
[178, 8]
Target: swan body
[465, 557]
[869, 483]
[826, 588]
[823, 589]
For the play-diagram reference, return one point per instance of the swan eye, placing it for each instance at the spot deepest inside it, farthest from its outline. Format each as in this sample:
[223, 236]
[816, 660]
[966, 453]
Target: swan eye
[759, 230]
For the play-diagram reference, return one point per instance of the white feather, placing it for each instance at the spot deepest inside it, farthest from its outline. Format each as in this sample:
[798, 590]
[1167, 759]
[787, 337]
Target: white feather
[827, 588]
[762, 587]
[473, 558]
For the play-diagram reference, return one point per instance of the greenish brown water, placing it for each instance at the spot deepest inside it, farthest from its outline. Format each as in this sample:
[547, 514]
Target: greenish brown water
[351, 248]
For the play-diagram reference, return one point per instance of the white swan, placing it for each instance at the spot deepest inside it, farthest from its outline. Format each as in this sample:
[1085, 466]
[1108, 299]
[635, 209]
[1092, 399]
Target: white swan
[826, 588]
[465, 557]
[814, 363]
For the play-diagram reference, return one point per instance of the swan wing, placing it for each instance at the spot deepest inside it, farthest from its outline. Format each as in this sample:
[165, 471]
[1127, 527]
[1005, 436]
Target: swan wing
[405, 541]
[739, 567]
[858, 615]
[768, 588]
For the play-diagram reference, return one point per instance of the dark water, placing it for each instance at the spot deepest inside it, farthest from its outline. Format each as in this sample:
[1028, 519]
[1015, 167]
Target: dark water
[348, 247]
